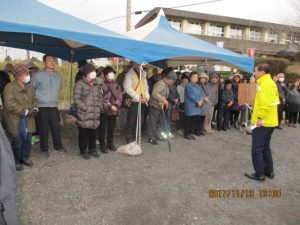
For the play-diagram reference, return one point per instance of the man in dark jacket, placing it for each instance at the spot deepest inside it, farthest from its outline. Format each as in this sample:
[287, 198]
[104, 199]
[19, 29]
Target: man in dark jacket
[121, 77]
[225, 105]
[8, 209]
[159, 99]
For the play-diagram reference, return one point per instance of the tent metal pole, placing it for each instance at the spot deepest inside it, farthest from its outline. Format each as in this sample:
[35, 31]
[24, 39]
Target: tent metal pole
[140, 105]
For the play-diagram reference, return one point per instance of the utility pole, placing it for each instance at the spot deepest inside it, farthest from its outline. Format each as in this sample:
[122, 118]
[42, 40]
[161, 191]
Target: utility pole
[28, 55]
[128, 16]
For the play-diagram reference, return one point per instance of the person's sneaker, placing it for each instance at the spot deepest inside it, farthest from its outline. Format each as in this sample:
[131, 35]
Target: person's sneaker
[192, 137]
[152, 141]
[86, 155]
[95, 154]
[236, 125]
[103, 149]
[160, 139]
[19, 167]
[35, 139]
[61, 150]
[270, 175]
[197, 134]
[171, 135]
[187, 137]
[164, 135]
[254, 177]
[111, 147]
[27, 162]
[45, 154]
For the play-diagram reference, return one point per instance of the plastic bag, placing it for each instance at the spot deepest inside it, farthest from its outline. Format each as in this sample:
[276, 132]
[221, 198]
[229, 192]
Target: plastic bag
[131, 149]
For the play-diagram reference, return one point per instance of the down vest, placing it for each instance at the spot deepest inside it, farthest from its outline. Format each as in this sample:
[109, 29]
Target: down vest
[88, 100]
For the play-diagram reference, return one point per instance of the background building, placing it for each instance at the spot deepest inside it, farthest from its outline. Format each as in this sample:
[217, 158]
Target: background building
[238, 35]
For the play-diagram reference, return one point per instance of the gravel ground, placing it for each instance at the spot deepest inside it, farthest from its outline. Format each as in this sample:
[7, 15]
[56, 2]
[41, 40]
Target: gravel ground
[161, 187]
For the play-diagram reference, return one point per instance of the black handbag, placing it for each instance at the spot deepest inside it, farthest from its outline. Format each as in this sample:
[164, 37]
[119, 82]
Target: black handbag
[127, 99]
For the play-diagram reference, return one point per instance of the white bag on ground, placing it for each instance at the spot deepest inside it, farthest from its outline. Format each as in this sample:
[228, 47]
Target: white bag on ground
[131, 149]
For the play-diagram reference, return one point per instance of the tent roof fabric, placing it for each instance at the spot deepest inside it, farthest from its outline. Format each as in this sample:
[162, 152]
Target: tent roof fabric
[29, 24]
[191, 49]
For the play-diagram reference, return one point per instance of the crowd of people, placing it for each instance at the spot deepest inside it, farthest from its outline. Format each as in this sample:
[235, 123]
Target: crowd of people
[188, 103]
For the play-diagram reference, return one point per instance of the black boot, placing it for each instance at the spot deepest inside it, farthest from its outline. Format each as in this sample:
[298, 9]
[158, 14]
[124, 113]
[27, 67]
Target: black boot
[86, 155]
[111, 147]
[94, 153]
[103, 148]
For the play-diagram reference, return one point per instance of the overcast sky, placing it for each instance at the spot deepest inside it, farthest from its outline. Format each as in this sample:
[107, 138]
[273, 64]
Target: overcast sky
[277, 11]
[99, 10]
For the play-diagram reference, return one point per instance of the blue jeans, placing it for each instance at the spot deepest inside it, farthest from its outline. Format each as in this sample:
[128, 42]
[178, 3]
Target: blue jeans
[21, 148]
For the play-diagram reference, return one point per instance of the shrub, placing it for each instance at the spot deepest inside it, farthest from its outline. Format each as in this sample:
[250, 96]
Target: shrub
[277, 65]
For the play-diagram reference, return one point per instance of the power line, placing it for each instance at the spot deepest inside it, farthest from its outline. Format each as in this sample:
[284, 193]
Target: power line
[199, 3]
[175, 7]
[118, 17]
[76, 6]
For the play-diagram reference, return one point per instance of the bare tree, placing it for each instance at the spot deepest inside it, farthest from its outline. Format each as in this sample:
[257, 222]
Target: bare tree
[295, 4]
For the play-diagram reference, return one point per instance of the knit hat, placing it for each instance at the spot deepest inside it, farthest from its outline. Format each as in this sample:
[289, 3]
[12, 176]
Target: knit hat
[30, 65]
[87, 68]
[172, 75]
[228, 82]
[20, 70]
[237, 75]
[203, 75]
[213, 75]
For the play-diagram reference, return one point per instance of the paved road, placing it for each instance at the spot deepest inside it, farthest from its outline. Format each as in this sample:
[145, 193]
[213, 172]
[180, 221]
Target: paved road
[160, 188]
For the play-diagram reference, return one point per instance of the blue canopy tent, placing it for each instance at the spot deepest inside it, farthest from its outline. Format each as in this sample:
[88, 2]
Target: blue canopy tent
[191, 50]
[31, 25]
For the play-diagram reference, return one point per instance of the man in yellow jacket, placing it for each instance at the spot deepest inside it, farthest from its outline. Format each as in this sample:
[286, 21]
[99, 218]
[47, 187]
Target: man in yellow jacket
[265, 119]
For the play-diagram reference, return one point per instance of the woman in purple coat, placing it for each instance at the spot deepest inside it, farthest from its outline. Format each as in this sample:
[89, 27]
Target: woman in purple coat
[112, 95]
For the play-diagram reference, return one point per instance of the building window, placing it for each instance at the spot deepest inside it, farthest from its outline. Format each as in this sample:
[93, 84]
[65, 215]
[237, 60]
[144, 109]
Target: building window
[194, 28]
[297, 39]
[236, 33]
[215, 30]
[176, 24]
[274, 38]
[289, 39]
[255, 35]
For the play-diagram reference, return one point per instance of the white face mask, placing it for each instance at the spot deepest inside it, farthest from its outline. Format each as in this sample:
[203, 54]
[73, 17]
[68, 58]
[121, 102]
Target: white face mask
[281, 79]
[111, 76]
[92, 75]
[27, 79]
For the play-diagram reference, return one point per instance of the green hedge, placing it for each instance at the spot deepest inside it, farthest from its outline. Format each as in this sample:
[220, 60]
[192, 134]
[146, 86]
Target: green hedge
[277, 65]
